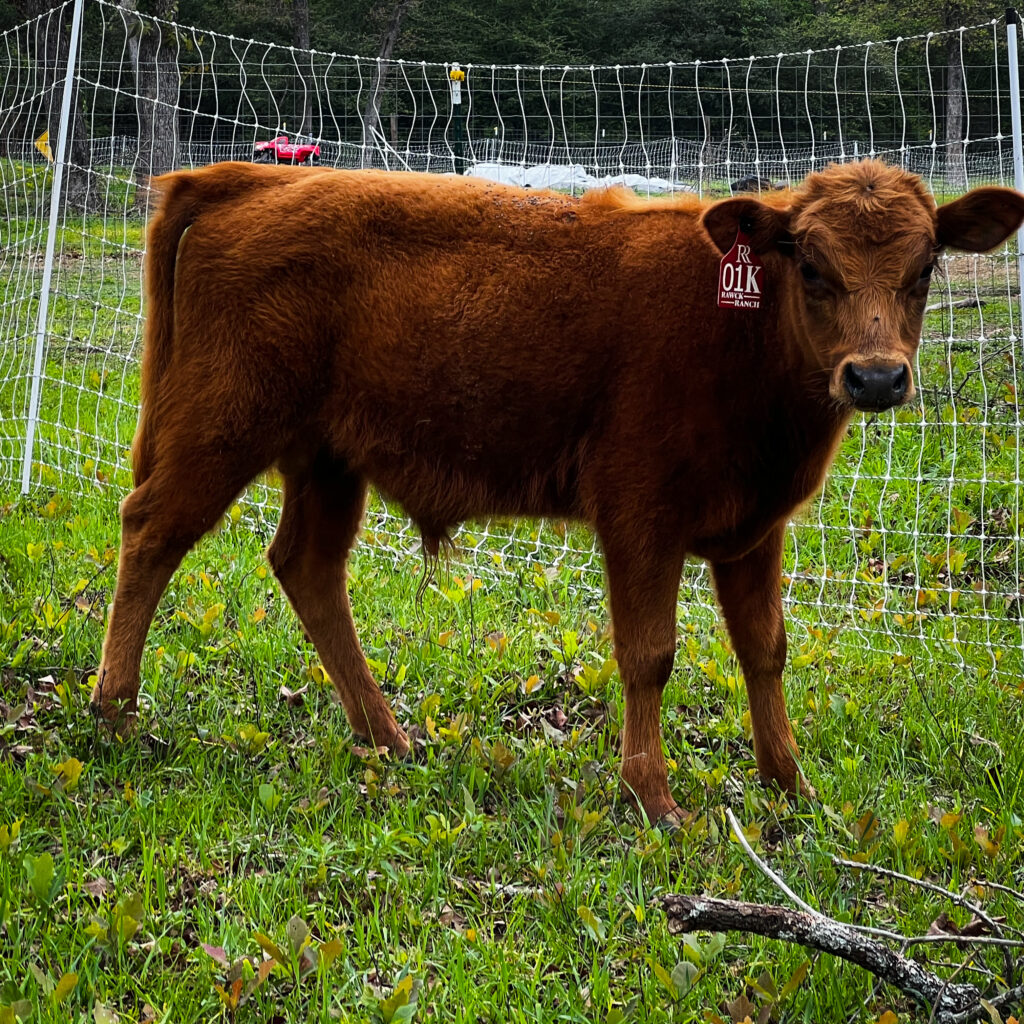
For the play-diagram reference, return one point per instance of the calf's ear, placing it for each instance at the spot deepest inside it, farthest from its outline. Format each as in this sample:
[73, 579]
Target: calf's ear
[762, 224]
[980, 220]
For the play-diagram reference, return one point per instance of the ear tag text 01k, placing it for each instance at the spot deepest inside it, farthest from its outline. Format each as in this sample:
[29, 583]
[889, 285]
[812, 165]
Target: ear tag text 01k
[740, 276]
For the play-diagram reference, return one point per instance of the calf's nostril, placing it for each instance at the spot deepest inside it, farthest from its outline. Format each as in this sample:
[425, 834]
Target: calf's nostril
[853, 380]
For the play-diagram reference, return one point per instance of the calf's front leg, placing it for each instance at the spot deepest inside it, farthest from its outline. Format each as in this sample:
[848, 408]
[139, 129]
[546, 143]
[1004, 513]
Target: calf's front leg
[750, 594]
[643, 589]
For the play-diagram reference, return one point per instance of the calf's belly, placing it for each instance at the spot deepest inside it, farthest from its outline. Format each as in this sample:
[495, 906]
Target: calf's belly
[439, 492]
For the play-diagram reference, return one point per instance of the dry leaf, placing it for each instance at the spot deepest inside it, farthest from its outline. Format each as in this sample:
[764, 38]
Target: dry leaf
[367, 752]
[741, 1009]
[943, 925]
[216, 953]
[104, 1014]
[97, 887]
[976, 926]
[558, 718]
[293, 698]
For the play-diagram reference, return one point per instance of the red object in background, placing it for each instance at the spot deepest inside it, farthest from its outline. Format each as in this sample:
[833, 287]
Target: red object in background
[281, 151]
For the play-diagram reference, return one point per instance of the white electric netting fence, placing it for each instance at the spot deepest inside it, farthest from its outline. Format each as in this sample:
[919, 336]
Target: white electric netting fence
[915, 545]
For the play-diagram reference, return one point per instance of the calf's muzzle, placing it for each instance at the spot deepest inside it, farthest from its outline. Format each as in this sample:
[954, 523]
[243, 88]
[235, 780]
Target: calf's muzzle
[873, 387]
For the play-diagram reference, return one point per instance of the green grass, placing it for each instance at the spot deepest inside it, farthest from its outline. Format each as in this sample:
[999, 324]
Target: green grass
[475, 867]
[497, 874]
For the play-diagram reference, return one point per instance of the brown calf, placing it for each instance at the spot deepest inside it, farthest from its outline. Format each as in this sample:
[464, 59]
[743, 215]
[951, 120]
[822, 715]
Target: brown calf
[473, 350]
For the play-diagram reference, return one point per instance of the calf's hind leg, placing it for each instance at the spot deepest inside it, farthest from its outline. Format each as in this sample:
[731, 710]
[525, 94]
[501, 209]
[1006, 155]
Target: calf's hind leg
[323, 506]
[183, 497]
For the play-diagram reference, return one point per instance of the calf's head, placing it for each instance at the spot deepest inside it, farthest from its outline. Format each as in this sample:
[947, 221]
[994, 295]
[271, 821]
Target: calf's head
[854, 249]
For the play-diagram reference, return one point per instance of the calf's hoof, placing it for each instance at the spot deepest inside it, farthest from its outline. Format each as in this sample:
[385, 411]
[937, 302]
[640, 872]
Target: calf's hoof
[793, 785]
[118, 717]
[805, 790]
[674, 820]
[394, 738]
[661, 810]
[778, 769]
[399, 743]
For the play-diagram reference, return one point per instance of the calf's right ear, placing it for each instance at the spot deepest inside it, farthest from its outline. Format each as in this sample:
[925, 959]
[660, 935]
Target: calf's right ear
[980, 220]
[763, 225]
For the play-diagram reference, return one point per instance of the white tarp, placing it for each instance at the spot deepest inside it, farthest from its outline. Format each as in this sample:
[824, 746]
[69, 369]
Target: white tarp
[569, 177]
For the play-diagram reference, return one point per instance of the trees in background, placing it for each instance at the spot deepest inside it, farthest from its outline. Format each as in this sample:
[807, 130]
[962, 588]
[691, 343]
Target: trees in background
[301, 41]
[153, 50]
[563, 31]
[392, 33]
[527, 32]
[53, 42]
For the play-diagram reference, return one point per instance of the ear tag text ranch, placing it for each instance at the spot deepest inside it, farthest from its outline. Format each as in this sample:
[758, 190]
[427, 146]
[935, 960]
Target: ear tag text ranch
[740, 276]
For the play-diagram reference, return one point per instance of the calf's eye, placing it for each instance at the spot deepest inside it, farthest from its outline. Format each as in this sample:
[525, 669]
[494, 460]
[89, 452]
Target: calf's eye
[810, 274]
[926, 274]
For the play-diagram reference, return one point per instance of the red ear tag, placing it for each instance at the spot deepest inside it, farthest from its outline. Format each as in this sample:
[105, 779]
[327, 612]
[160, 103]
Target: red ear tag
[740, 276]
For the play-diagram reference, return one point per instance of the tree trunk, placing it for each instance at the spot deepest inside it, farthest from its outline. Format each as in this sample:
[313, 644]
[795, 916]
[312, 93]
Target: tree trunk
[52, 42]
[956, 168]
[152, 48]
[371, 109]
[300, 38]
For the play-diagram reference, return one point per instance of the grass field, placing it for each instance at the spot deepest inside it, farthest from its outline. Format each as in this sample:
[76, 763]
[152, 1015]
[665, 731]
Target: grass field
[497, 875]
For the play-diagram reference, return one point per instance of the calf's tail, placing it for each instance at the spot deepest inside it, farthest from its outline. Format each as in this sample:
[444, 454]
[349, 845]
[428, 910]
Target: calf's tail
[177, 210]
[184, 196]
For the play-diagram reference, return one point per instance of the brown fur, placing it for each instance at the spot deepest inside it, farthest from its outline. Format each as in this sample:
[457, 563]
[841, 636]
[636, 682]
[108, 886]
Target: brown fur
[475, 350]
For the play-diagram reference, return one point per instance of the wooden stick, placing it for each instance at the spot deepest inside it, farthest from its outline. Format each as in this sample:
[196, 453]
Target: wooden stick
[922, 883]
[953, 1003]
[973, 907]
[763, 867]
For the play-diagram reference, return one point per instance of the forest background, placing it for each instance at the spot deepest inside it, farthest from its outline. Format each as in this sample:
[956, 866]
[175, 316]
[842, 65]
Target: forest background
[553, 31]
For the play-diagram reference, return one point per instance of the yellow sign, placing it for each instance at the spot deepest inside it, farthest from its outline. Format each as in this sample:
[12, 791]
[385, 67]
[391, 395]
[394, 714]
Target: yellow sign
[43, 145]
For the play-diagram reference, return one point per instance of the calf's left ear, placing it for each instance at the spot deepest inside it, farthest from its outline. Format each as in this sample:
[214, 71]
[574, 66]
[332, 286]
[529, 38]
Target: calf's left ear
[980, 220]
[762, 224]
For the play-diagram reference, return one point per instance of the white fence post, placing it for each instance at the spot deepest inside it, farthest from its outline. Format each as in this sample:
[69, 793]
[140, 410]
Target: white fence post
[1012, 21]
[51, 238]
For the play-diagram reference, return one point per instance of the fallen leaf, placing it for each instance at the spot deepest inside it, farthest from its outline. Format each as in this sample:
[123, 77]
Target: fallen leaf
[558, 718]
[865, 828]
[297, 931]
[451, 918]
[104, 1014]
[553, 734]
[65, 987]
[740, 1009]
[982, 838]
[329, 951]
[270, 948]
[943, 925]
[367, 752]
[976, 926]
[215, 952]
[97, 887]
[293, 698]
